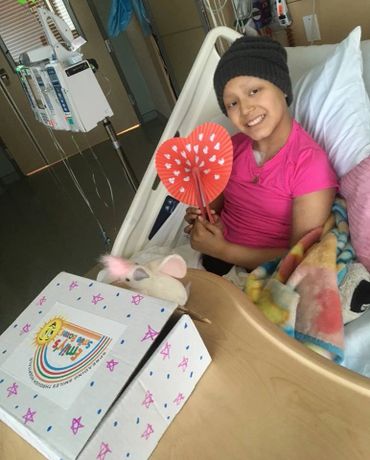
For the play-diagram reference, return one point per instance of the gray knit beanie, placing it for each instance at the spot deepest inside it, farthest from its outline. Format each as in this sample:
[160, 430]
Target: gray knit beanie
[259, 57]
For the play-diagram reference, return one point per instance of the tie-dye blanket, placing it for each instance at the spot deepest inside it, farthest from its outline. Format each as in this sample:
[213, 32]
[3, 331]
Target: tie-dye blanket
[300, 292]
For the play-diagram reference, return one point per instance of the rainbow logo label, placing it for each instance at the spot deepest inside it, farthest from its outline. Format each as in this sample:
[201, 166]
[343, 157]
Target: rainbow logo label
[65, 352]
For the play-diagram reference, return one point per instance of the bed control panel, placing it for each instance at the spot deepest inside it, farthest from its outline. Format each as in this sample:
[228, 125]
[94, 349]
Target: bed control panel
[167, 209]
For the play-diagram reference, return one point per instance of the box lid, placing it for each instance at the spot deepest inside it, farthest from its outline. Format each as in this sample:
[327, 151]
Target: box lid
[67, 357]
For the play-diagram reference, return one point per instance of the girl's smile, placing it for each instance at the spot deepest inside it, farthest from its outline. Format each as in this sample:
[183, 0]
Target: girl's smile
[256, 121]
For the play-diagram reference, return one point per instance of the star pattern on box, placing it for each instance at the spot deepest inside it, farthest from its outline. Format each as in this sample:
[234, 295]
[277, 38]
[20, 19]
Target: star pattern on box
[26, 328]
[97, 298]
[73, 285]
[41, 301]
[178, 399]
[111, 364]
[136, 299]
[165, 352]
[184, 363]
[148, 400]
[12, 390]
[149, 430]
[76, 425]
[103, 451]
[150, 334]
[28, 416]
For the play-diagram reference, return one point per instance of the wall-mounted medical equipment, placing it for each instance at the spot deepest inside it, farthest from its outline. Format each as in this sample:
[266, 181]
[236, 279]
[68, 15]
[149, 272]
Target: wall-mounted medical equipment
[282, 13]
[250, 17]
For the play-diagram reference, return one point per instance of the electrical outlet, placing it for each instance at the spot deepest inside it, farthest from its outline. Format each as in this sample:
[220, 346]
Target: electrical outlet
[311, 27]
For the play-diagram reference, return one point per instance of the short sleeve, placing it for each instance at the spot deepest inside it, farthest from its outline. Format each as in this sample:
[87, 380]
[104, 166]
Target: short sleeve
[312, 172]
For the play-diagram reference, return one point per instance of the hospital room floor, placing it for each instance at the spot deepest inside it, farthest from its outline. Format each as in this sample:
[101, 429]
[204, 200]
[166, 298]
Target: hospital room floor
[46, 227]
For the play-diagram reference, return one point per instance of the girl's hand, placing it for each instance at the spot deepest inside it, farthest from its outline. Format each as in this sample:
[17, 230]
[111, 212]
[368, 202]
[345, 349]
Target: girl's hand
[207, 238]
[218, 222]
[192, 214]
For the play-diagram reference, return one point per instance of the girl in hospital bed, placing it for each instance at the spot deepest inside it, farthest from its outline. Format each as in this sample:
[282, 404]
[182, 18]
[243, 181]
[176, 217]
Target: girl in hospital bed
[281, 185]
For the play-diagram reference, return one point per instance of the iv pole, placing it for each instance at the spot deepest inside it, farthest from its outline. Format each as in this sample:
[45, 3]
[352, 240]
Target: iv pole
[129, 172]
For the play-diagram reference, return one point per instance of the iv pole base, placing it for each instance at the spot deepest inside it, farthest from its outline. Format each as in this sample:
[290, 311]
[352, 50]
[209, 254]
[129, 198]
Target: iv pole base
[129, 172]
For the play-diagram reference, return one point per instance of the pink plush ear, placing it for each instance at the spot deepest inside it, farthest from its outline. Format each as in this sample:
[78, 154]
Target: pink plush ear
[173, 265]
[116, 266]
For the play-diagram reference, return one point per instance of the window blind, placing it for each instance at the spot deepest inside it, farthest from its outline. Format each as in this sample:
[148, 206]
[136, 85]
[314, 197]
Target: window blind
[20, 29]
[61, 11]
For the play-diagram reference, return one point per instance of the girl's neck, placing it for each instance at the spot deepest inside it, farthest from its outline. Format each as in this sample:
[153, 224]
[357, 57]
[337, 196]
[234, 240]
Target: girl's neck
[270, 146]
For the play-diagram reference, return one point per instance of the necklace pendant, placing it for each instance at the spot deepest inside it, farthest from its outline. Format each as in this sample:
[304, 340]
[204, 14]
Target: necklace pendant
[255, 179]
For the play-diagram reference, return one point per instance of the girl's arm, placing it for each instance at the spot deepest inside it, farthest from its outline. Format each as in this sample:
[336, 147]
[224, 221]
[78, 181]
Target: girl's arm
[310, 211]
[208, 239]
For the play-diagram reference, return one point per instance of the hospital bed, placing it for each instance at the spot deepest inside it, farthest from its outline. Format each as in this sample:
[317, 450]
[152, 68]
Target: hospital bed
[265, 395]
[197, 104]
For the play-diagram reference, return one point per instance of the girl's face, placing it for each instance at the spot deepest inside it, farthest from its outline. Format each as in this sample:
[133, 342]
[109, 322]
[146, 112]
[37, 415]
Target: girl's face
[258, 109]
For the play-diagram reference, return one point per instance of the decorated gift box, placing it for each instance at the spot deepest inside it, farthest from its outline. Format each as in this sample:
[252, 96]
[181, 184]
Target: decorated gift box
[72, 365]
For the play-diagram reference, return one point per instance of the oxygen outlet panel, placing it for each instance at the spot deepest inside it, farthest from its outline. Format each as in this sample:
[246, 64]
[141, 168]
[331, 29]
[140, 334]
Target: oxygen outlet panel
[311, 27]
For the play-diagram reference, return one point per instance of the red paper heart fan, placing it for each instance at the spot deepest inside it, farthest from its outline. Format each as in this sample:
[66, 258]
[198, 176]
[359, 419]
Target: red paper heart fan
[198, 164]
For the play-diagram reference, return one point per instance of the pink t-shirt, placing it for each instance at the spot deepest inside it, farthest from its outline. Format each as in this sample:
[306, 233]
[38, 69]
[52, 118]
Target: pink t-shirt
[258, 200]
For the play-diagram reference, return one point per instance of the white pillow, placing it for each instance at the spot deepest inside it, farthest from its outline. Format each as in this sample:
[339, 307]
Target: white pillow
[365, 51]
[332, 104]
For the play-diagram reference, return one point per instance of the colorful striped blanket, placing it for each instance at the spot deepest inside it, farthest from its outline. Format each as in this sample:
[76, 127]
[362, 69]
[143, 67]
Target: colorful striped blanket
[300, 292]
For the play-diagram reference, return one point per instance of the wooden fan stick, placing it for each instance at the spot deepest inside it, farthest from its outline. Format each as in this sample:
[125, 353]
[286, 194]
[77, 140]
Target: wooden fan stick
[200, 196]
